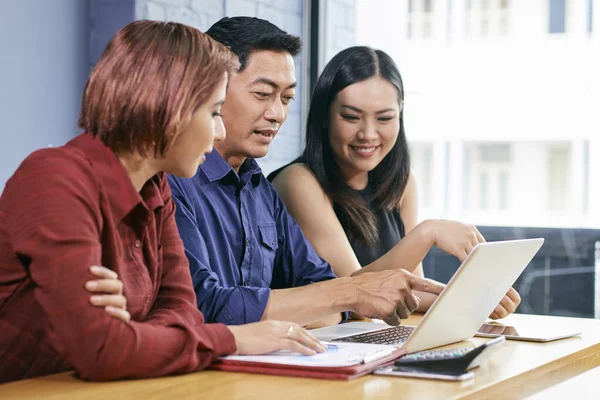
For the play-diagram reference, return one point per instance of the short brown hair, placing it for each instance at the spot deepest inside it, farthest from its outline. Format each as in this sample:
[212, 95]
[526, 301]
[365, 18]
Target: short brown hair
[150, 79]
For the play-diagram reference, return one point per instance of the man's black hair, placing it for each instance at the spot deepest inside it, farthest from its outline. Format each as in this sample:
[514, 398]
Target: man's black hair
[246, 34]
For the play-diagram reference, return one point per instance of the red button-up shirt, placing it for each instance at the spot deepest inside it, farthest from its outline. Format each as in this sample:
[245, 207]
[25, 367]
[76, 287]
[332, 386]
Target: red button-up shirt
[64, 210]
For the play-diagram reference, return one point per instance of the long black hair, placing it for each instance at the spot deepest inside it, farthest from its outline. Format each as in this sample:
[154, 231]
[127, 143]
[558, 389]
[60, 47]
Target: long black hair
[388, 180]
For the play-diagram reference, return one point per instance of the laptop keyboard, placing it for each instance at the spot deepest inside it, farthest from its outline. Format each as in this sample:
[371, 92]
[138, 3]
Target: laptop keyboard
[391, 335]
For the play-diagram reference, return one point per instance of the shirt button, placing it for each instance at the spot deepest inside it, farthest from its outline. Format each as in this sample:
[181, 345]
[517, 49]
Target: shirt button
[137, 243]
[247, 242]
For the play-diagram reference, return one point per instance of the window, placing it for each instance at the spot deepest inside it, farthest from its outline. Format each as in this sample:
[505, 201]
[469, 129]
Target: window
[494, 153]
[420, 20]
[488, 169]
[557, 16]
[485, 18]
[499, 156]
[421, 155]
[493, 142]
[426, 33]
[559, 167]
[503, 26]
[503, 186]
[590, 16]
[483, 191]
[485, 27]
[427, 6]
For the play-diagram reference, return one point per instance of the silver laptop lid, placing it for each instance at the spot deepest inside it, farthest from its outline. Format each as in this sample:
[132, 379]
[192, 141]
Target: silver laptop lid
[473, 292]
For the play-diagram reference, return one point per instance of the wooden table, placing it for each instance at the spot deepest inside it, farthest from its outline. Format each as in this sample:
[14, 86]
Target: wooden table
[520, 369]
[583, 386]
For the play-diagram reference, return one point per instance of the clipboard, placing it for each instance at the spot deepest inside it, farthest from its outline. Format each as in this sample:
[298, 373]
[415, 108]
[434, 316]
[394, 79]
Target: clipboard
[342, 361]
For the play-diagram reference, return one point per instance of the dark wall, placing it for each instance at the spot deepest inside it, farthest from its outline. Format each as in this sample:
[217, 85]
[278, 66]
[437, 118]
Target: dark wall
[558, 281]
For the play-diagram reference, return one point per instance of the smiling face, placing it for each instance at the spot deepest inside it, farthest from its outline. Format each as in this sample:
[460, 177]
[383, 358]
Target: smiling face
[364, 121]
[190, 147]
[258, 100]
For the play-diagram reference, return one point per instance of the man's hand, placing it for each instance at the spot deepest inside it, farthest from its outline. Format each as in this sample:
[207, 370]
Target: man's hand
[110, 293]
[508, 305]
[388, 295]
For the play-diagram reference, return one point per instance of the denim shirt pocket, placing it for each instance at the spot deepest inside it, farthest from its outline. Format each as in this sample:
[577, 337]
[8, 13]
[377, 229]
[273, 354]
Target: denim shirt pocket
[268, 248]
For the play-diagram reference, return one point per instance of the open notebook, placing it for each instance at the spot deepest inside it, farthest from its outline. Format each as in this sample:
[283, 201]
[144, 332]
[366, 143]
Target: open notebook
[340, 361]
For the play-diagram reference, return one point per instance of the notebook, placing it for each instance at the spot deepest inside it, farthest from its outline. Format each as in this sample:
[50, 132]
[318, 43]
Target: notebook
[341, 361]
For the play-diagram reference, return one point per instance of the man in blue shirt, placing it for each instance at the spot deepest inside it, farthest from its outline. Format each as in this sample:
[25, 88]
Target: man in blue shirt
[248, 258]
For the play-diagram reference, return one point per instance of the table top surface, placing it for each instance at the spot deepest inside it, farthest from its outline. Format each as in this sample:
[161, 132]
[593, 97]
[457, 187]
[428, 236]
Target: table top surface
[510, 370]
[583, 386]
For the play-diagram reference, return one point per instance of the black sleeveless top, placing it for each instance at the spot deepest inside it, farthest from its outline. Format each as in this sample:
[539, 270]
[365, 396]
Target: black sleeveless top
[391, 231]
[389, 223]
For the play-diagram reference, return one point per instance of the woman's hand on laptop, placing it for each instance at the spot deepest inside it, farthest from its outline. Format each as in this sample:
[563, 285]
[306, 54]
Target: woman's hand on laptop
[507, 305]
[453, 237]
[269, 336]
[108, 292]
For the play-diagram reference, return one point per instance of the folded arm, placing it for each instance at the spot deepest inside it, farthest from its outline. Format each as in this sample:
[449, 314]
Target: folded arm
[55, 223]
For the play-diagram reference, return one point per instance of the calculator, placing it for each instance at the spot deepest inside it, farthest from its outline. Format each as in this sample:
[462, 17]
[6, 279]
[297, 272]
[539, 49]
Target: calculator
[462, 359]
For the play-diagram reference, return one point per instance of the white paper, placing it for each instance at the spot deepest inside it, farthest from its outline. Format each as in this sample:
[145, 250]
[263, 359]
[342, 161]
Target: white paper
[345, 354]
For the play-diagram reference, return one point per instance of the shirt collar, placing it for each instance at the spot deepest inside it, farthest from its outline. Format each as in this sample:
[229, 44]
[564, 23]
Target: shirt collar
[113, 178]
[216, 168]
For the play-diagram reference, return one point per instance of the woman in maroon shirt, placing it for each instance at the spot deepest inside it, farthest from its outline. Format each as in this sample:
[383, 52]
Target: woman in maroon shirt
[151, 104]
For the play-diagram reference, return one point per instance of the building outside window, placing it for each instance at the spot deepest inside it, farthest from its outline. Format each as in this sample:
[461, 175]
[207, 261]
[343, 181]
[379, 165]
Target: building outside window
[557, 16]
[487, 18]
[501, 118]
[420, 19]
[421, 154]
[488, 176]
[558, 174]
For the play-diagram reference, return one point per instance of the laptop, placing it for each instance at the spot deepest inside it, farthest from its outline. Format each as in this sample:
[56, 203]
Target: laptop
[460, 310]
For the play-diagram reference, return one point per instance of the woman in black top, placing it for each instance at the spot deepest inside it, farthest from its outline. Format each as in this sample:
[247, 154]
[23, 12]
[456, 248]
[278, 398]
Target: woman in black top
[351, 191]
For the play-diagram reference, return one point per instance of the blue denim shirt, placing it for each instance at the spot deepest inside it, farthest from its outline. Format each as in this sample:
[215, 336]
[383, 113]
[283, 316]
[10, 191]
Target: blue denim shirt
[240, 241]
